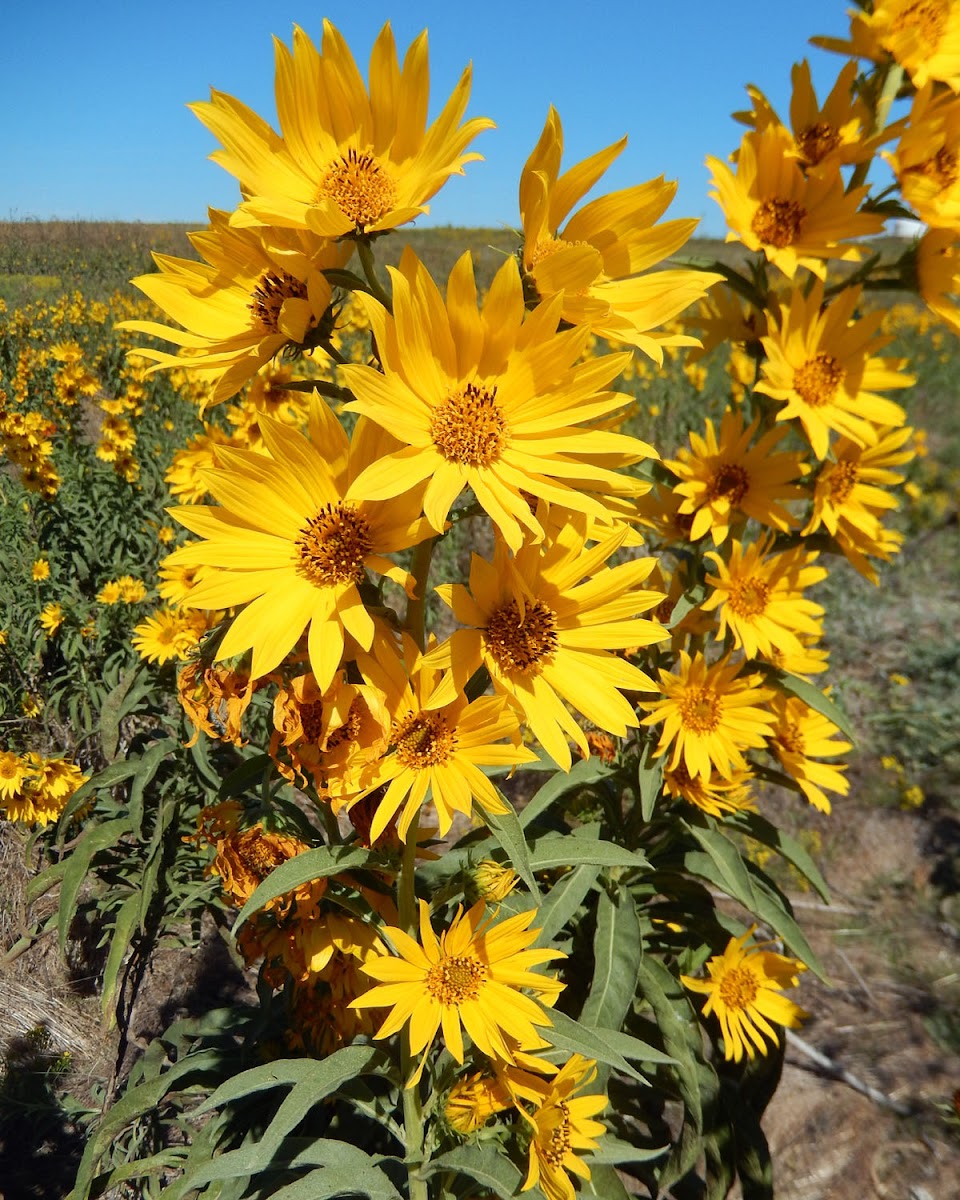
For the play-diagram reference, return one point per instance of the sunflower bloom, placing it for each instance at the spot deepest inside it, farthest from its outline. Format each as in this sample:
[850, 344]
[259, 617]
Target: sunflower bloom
[938, 274]
[745, 992]
[546, 625]
[488, 400]
[850, 497]
[799, 739]
[346, 160]
[596, 260]
[760, 596]
[710, 715]
[922, 35]
[470, 978]
[472, 1101]
[823, 369]
[40, 570]
[796, 220]
[252, 295]
[926, 161]
[438, 747]
[824, 136]
[561, 1125]
[716, 796]
[725, 478]
[51, 618]
[14, 773]
[285, 544]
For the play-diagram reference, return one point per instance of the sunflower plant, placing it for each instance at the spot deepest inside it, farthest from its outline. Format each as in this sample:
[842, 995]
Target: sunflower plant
[492, 688]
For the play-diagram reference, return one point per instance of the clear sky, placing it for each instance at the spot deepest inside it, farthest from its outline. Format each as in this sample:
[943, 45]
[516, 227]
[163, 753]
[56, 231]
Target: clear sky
[94, 123]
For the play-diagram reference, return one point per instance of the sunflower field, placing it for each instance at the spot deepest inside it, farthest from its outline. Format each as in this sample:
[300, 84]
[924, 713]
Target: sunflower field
[448, 644]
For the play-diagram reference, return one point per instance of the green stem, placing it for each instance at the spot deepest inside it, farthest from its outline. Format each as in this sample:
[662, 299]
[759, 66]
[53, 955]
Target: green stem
[415, 623]
[412, 1103]
[365, 251]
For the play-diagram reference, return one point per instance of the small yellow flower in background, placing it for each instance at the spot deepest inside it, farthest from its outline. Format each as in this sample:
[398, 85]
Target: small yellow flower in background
[561, 1124]
[469, 978]
[493, 881]
[472, 1101]
[109, 593]
[899, 680]
[165, 535]
[131, 590]
[3, 637]
[912, 797]
[744, 991]
[51, 618]
[31, 705]
[890, 763]
[40, 570]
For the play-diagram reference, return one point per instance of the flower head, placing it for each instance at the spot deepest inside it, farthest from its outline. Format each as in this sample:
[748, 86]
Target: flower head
[745, 992]
[560, 1125]
[346, 159]
[472, 977]
[600, 261]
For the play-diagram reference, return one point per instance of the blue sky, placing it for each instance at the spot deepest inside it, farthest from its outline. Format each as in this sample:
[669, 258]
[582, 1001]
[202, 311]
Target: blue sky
[94, 123]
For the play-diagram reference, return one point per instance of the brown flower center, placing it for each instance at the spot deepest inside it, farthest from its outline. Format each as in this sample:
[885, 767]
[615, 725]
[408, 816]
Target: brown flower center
[778, 222]
[257, 854]
[455, 979]
[928, 18]
[469, 427]
[816, 382]
[423, 740]
[332, 546]
[557, 1143]
[738, 988]
[268, 296]
[521, 643]
[311, 720]
[943, 168]
[729, 480]
[359, 187]
[816, 141]
[790, 737]
[749, 597]
[349, 731]
[841, 479]
[700, 709]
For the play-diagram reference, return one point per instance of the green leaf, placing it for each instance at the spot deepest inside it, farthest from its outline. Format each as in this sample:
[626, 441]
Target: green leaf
[506, 828]
[311, 1080]
[110, 713]
[312, 864]
[327, 1182]
[567, 1034]
[485, 1164]
[243, 778]
[93, 839]
[765, 831]
[583, 772]
[613, 1152]
[251, 1160]
[793, 685]
[563, 900]
[573, 849]
[147, 768]
[605, 1183]
[126, 921]
[650, 781]
[617, 951]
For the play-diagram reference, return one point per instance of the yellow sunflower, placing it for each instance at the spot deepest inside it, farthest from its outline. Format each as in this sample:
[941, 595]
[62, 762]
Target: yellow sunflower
[472, 977]
[286, 545]
[796, 220]
[922, 35]
[800, 738]
[488, 400]
[600, 259]
[255, 293]
[760, 596]
[715, 795]
[560, 1125]
[472, 1101]
[51, 618]
[547, 625]
[938, 274]
[827, 135]
[822, 366]
[745, 992]
[40, 570]
[926, 161]
[725, 479]
[14, 773]
[346, 160]
[710, 715]
[437, 748]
